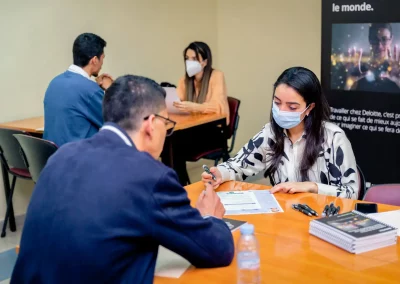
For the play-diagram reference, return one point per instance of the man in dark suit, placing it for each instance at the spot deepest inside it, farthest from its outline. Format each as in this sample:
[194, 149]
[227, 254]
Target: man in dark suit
[103, 205]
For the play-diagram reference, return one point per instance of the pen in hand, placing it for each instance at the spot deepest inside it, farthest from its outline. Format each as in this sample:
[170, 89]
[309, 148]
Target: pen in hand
[207, 170]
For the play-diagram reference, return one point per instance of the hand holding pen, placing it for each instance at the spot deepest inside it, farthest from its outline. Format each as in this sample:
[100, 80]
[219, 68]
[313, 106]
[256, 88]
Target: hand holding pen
[212, 176]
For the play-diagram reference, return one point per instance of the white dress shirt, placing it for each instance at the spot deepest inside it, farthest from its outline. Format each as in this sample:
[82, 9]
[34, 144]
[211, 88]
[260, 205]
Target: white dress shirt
[78, 70]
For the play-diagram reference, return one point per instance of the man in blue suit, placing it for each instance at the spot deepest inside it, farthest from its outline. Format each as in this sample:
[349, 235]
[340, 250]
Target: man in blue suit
[103, 205]
[72, 103]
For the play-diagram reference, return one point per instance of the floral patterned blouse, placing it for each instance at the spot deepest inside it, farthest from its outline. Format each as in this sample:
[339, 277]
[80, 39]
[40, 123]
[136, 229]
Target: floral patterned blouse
[334, 172]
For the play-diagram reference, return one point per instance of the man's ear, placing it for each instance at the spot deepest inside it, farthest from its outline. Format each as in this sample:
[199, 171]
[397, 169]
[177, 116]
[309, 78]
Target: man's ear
[148, 126]
[94, 60]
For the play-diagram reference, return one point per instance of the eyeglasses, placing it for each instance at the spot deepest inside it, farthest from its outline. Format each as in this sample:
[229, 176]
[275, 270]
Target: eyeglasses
[170, 124]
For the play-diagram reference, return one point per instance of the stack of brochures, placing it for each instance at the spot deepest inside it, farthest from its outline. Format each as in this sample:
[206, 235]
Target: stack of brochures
[354, 232]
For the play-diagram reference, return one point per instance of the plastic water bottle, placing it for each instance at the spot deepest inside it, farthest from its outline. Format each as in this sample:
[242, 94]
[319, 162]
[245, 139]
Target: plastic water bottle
[248, 257]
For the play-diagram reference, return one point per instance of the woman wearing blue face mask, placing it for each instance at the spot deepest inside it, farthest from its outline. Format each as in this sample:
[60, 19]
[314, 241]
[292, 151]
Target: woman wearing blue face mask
[299, 149]
[203, 88]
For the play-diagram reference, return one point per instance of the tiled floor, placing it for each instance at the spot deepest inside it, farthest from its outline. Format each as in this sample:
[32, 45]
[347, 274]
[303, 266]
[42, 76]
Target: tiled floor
[12, 239]
[7, 251]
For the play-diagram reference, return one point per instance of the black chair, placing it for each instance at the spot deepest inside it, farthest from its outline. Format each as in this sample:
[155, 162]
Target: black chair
[11, 163]
[36, 153]
[219, 153]
[362, 187]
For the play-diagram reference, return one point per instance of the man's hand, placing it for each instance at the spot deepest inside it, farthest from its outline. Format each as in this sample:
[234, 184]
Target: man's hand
[104, 81]
[209, 203]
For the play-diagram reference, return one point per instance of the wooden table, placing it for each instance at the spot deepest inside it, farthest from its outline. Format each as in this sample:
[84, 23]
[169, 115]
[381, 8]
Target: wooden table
[31, 125]
[36, 124]
[289, 254]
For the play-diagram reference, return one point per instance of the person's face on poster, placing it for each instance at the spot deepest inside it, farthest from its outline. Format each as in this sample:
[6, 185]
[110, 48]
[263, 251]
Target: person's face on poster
[381, 44]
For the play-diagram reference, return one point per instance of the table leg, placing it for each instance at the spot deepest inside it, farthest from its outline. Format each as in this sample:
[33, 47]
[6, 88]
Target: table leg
[7, 191]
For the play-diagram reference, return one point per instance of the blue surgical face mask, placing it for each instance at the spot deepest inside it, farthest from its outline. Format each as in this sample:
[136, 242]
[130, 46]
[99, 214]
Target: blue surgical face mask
[286, 119]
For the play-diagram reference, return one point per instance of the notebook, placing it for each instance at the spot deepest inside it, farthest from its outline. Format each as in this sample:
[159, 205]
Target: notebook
[354, 231]
[233, 224]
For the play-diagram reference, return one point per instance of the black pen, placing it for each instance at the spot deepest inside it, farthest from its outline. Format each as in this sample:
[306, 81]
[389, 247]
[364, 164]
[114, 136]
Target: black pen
[325, 212]
[305, 212]
[331, 209]
[305, 206]
[207, 170]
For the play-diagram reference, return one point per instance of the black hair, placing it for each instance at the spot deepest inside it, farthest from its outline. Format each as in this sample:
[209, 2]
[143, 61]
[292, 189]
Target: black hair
[86, 46]
[130, 99]
[167, 84]
[374, 29]
[306, 83]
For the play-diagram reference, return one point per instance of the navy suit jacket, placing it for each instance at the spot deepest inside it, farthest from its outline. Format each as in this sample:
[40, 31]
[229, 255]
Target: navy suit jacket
[99, 212]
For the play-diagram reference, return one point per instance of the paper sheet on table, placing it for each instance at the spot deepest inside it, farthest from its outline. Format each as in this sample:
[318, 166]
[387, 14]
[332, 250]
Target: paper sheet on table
[265, 202]
[239, 200]
[170, 264]
[40, 129]
[391, 218]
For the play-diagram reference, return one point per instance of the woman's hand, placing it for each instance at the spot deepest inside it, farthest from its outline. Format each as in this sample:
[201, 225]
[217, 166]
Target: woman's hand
[207, 178]
[185, 106]
[295, 187]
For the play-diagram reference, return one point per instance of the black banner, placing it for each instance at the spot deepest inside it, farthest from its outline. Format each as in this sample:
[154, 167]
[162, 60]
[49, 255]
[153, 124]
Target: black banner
[361, 78]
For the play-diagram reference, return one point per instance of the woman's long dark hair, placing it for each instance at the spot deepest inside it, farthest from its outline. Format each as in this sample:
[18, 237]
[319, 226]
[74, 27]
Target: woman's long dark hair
[199, 48]
[308, 86]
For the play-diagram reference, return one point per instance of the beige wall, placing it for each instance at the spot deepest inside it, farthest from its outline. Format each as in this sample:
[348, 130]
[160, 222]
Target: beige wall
[144, 37]
[252, 42]
[257, 40]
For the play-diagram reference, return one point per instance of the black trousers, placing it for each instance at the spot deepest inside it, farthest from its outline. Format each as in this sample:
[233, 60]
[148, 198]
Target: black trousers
[189, 143]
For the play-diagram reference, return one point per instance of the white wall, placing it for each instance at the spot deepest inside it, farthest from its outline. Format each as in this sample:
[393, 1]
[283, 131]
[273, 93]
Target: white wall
[144, 37]
[257, 41]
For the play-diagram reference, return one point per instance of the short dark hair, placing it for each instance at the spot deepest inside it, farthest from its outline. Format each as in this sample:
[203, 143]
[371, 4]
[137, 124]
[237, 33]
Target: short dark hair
[374, 28]
[130, 99]
[86, 46]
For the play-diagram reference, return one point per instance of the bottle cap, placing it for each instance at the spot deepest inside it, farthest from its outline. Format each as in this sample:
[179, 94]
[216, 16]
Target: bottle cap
[247, 229]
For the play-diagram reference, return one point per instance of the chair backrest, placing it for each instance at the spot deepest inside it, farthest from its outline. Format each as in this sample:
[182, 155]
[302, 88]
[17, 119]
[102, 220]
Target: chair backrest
[384, 193]
[10, 150]
[37, 151]
[362, 185]
[234, 105]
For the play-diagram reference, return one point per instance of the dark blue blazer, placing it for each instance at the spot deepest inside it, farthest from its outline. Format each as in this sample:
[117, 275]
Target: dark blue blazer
[101, 209]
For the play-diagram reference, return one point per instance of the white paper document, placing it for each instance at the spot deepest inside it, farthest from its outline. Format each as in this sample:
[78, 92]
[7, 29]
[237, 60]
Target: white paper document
[172, 96]
[40, 129]
[391, 218]
[249, 202]
[239, 200]
[170, 264]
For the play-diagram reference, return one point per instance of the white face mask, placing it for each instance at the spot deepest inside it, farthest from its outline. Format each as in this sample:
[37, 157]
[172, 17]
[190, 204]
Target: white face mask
[193, 67]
